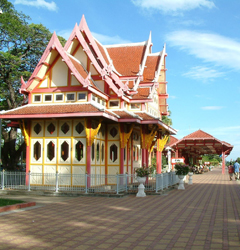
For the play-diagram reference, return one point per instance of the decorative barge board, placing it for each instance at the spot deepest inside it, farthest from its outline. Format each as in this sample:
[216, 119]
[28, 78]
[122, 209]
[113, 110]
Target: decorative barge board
[93, 108]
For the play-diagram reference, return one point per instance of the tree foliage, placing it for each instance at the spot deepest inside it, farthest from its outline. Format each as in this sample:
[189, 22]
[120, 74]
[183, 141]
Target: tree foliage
[21, 46]
[212, 158]
[166, 119]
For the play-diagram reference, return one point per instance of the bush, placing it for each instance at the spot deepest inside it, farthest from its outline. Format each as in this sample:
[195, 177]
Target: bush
[181, 169]
[142, 172]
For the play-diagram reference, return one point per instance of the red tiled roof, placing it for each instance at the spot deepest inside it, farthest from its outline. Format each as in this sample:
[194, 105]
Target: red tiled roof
[124, 115]
[145, 116]
[53, 109]
[80, 69]
[151, 67]
[199, 134]
[126, 60]
[171, 141]
[131, 84]
[102, 52]
[143, 93]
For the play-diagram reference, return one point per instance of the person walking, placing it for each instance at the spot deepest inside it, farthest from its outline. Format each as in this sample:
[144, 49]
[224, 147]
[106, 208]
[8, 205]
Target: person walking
[236, 170]
[230, 171]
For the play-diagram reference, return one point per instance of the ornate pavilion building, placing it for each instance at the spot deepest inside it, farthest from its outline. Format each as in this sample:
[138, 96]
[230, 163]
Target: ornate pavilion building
[93, 108]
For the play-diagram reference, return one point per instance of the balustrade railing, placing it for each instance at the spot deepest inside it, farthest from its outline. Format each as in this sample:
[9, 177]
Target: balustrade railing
[87, 183]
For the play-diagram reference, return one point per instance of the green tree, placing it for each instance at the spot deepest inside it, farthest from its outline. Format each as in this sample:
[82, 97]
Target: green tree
[212, 158]
[166, 119]
[21, 46]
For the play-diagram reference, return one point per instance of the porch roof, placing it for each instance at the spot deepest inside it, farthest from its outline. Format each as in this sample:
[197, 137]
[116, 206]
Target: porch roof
[200, 143]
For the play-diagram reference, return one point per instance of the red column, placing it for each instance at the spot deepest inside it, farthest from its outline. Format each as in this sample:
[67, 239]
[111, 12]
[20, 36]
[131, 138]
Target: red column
[159, 156]
[122, 161]
[223, 162]
[176, 154]
[89, 149]
[144, 162]
[28, 154]
[147, 158]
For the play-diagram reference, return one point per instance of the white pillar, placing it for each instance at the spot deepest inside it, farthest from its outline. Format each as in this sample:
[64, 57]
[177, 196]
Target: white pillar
[169, 154]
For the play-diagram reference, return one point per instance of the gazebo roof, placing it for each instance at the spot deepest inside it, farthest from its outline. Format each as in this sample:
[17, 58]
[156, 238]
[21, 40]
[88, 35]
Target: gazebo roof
[200, 143]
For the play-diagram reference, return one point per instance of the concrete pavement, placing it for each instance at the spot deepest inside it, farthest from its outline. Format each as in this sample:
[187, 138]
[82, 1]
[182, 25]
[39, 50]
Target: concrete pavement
[206, 215]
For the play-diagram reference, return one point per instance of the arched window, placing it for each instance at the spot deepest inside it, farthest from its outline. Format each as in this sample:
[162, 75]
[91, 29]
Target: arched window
[50, 150]
[37, 151]
[113, 152]
[98, 152]
[79, 151]
[103, 152]
[65, 151]
[93, 151]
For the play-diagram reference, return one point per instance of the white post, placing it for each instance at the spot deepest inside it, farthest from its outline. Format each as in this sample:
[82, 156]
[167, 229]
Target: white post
[169, 159]
[29, 177]
[86, 186]
[57, 182]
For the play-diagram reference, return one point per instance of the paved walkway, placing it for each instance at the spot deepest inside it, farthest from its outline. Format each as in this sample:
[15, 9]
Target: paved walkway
[204, 216]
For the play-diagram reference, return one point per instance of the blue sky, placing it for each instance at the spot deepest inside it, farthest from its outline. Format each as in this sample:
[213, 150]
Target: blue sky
[203, 46]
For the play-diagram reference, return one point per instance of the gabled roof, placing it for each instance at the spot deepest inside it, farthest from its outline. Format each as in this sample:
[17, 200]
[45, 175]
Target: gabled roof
[143, 93]
[151, 68]
[130, 71]
[32, 111]
[202, 143]
[171, 141]
[76, 68]
[199, 134]
[127, 59]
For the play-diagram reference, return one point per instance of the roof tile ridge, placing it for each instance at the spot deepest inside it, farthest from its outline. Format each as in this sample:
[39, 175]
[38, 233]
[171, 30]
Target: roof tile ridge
[112, 112]
[131, 113]
[109, 46]
[145, 112]
[155, 54]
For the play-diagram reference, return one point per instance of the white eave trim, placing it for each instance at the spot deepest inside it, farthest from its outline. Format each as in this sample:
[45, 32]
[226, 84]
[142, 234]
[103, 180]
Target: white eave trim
[125, 45]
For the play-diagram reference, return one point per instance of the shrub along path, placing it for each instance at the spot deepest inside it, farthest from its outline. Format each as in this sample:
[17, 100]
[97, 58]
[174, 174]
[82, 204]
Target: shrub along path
[206, 215]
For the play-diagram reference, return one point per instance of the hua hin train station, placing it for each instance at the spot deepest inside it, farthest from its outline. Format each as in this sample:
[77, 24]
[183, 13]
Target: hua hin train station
[97, 109]
[93, 108]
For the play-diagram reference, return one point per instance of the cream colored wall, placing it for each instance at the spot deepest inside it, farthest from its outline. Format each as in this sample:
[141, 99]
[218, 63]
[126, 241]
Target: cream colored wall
[59, 74]
[81, 56]
[100, 85]
[74, 81]
[44, 83]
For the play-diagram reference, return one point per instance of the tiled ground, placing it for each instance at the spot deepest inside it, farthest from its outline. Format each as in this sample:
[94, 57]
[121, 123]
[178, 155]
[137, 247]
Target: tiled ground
[204, 216]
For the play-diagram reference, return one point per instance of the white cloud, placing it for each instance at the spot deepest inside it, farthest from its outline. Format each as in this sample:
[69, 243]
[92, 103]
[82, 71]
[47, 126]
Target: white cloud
[211, 108]
[173, 6]
[217, 49]
[38, 3]
[65, 33]
[109, 39]
[203, 73]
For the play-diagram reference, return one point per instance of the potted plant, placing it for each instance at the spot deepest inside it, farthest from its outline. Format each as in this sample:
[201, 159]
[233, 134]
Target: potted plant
[181, 170]
[142, 173]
